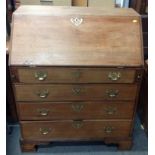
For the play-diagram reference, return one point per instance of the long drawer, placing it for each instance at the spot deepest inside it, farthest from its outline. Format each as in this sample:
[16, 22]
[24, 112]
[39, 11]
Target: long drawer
[68, 92]
[46, 2]
[75, 75]
[86, 129]
[75, 110]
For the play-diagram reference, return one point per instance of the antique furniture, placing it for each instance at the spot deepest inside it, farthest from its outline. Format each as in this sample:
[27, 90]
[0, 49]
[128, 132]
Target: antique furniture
[76, 73]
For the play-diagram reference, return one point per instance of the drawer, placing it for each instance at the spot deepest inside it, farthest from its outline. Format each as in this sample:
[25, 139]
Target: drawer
[75, 75]
[102, 3]
[65, 92]
[69, 130]
[46, 2]
[75, 110]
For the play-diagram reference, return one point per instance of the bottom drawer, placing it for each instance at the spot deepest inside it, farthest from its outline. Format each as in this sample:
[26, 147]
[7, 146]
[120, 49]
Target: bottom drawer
[74, 130]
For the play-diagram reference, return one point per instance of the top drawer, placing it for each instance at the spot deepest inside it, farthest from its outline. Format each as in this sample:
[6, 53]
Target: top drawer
[73, 75]
[46, 2]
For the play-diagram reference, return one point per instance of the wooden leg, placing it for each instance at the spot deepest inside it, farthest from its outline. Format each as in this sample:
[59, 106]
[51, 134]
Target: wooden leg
[27, 147]
[125, 145]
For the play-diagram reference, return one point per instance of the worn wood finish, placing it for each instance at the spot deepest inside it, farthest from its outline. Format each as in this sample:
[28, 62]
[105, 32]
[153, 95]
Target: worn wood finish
[86, 129]
[82, 46]
[57, 92]
[75, 110]
[60, 73]
[75, 75]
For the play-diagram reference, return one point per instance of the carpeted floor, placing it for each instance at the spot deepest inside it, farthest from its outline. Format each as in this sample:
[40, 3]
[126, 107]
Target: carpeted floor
[140, 146]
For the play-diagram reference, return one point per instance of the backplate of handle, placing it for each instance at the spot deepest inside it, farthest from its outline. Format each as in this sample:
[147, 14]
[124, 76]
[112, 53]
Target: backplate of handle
[43, 93]
[45, 131]
[40, 75]
[112, 93]
[114, 76]
[43, 112]
[110, 110]
[108, 129]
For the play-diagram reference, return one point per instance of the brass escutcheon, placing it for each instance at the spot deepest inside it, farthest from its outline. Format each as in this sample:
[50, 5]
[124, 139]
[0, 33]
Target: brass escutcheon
[77, 107]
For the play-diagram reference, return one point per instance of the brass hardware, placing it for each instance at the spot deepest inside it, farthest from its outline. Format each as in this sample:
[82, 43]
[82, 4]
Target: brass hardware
[77, 107]
[112, 93]
[43, 112]
[41, 76]
[76, 21]
[77, 90]
[76, 74]
[108, 129]
[45, 131]
[114, 76]
[110, 110]
[43, 93]
[77, 124]
[134, 20]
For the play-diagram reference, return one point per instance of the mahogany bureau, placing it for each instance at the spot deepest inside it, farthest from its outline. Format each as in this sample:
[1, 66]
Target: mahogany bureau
[76, 74]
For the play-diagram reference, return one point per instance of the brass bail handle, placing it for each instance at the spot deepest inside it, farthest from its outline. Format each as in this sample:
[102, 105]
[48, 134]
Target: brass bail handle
[77, 124]
[110, 110]
[108, 129]
[43, 93]
[45, 131]
[43, 112]
[114, 76]
[40, 75]
[77, 107]
[112, 93]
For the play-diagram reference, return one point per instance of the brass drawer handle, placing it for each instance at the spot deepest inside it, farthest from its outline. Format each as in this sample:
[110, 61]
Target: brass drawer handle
[108, 129]
[114, 76]
[43, 93]
[77, 124]
[112, 93]
[41, 76]
[77, 91]
[77, 107]
[43, 112]
[110, 110]
[44, 131]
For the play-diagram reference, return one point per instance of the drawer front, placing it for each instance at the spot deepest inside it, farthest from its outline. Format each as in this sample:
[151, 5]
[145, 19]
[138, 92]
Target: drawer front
[75, 75]
[75, 110]
[102, 3]
[57, 92]
[46, 2]
[87, 129]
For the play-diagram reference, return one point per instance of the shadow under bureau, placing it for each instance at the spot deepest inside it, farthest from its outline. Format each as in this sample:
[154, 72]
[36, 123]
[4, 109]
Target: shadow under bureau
[76, 74]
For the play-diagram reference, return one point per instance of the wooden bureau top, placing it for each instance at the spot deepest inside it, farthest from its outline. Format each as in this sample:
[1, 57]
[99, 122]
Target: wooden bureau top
[75, 36]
